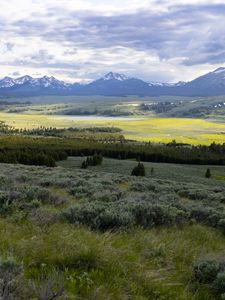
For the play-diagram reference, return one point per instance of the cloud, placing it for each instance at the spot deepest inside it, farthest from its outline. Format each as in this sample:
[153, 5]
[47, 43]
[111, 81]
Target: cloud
[153, 39]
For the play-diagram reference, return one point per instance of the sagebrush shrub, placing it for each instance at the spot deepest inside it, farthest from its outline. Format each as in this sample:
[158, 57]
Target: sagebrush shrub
[219, 283]
[206, 270]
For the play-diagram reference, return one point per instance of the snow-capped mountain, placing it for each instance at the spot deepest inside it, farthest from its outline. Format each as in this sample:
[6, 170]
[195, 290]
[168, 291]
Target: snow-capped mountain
[7, 82]
[154, 83]
[114, 84]
[23, 79]
[30, 84]
[49, 82]
[114, 76]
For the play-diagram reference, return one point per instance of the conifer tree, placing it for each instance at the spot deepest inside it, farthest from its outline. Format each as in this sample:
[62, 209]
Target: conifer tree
[139, 170]
[208, 173]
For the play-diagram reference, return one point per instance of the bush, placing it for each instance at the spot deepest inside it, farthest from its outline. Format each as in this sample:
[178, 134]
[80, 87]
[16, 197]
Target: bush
[43, 217]
[5, 202]
[219, 283]
[205, 270]
[111, 219]
[85, 215]
[103, 215]
[221, 225]
[211, 272]
[35, 192]
[100, 216]
[9, 273]
[149, 215]
[206, 215]
[142, 186]
[106, 196]
[139, 170]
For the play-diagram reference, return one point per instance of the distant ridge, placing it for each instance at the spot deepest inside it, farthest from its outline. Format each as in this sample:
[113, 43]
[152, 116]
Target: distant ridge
[114, 84]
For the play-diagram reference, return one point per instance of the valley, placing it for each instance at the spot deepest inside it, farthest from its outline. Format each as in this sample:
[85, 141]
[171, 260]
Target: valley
[74, 223]
[112, 150]
[139, 119]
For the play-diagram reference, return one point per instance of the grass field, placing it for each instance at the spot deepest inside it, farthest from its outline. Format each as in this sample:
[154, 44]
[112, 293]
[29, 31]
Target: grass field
[42, 253]
[176, 172]
[192, 131]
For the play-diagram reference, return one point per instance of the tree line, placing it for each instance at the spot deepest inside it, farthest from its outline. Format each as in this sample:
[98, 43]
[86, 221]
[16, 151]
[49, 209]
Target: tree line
[27, 150]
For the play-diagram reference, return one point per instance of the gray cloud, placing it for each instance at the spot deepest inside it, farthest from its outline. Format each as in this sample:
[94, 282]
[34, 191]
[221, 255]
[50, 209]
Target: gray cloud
[9, 46]
[195, 32]
[42, 56]
[183, 35]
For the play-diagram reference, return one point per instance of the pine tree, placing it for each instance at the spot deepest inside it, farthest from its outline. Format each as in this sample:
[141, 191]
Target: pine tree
[139, 170]
[84, 164]
[208, 173]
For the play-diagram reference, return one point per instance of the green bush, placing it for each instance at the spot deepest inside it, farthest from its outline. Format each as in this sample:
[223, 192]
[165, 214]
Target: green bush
[112, 219]
[221, 225]
[100, 216]
[206, 270]
[149, 215]
[104, 215]
[211, 271]
[206, 215]
[219, 283]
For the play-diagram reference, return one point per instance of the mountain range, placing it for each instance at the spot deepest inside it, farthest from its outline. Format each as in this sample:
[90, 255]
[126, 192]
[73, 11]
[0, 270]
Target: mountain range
[114, 84]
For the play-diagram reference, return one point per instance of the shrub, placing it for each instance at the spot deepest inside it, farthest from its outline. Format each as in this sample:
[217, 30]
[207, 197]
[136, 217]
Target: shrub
[35, 192]
[43, 217]
[155, 215]
[219, 283]
[221, 225]
[206, 215]
[193, 194]
[5, 203]
[107, 196]
[9, 272]
[212, 272]
[142, 186]
[85, 215]
[103, 215]
[139, 170]
[111, 219]
[206, 270]
[49, 290]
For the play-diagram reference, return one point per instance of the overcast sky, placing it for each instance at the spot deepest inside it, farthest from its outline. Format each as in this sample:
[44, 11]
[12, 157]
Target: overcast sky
[80, 40]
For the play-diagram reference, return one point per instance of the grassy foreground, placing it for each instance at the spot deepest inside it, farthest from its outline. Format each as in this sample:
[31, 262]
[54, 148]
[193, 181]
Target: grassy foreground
[48, 253]
[140, 264]
[192, 131]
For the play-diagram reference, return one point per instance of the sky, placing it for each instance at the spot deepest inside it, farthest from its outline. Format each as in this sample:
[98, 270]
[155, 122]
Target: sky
[81, 40]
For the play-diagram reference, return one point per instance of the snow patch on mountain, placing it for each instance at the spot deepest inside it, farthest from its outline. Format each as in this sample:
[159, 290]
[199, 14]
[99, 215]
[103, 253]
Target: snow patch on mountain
[219, 70]
[23, 79]
[115, 76]
[7, 82]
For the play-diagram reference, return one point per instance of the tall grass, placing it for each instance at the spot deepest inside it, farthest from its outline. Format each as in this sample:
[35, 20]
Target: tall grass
[71, 261]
